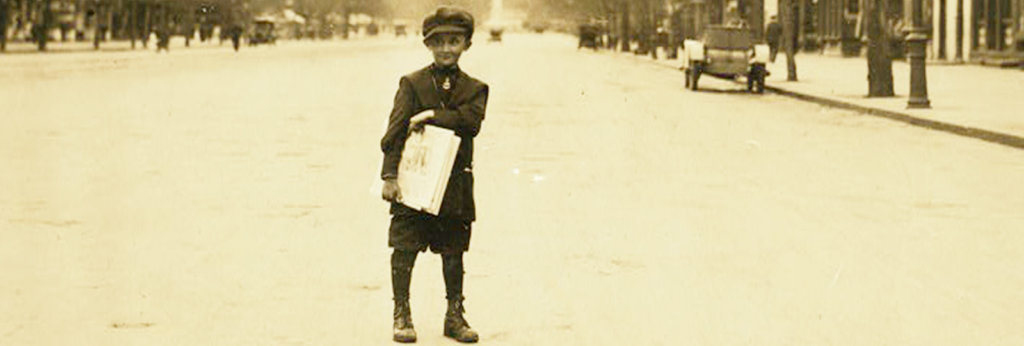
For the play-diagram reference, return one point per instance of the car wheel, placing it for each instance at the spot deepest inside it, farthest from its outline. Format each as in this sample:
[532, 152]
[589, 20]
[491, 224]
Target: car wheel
[755, 81]
[694, 76]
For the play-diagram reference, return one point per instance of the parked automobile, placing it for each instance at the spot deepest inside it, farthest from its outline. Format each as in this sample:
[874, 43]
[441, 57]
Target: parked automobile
[727, 52]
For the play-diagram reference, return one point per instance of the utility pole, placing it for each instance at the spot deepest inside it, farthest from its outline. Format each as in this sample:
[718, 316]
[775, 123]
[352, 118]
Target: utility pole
[916, 41]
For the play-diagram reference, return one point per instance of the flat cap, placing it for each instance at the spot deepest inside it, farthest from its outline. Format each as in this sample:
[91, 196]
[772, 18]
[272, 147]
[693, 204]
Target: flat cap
[448, 19]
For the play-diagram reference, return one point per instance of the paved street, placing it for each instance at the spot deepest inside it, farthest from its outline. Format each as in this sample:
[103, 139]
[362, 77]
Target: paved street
[205, 197]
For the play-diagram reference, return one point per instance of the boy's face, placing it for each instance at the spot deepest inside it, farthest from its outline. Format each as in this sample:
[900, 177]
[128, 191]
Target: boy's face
[447, 48]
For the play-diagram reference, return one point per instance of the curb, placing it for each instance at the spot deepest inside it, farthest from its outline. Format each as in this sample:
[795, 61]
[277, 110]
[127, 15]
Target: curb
[64, 50]
[959, 130]
[1016, 142]
[103, 49]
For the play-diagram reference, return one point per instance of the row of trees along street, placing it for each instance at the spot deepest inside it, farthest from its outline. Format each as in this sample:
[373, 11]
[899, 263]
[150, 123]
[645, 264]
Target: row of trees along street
[638, 26]
[642, 26]
[134, 20]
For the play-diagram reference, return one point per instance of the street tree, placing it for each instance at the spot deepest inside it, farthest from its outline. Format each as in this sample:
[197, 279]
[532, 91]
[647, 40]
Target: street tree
[42, 29]
[789, 18]
[879, 57]
[4, 15]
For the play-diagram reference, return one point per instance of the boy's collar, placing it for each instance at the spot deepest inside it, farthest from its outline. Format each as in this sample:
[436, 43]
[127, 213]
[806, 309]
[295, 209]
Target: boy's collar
[444, 70]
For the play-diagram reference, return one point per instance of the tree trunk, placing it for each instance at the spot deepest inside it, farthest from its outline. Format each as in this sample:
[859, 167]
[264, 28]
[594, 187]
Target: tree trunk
[674, 35]
[97, 27]
[879, 58]
[625, 37]
[346, 12]
[642, 38]
[652, 29]
[147, 24]
[959, 30]
[942, 30]
[755, 18]
[133, 19]
[788, 19]
[44, 27]
[4, 7]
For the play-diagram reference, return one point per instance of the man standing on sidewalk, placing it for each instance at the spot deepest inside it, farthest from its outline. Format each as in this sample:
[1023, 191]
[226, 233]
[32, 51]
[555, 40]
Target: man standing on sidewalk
[773, 34]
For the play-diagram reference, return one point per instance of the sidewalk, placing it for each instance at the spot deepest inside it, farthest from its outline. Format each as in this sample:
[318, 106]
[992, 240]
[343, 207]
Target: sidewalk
[970, 100]
[22, 47]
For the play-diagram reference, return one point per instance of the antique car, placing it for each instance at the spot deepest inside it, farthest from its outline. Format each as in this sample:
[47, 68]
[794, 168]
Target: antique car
[590, 36]
[727, 52]
[262, 33]
[496, 33]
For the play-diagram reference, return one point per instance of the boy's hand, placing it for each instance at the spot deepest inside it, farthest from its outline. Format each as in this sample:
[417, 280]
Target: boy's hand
[417, 122]
[391, 192]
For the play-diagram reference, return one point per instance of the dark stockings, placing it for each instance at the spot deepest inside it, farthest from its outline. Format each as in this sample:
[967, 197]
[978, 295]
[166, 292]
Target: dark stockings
[401, 273]
[451, 265]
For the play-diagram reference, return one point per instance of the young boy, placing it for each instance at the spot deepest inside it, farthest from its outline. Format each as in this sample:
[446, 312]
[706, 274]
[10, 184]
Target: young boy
[441, 95]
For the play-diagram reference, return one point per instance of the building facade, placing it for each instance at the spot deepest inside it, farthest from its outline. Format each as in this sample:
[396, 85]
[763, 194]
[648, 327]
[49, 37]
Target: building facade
[990, 32]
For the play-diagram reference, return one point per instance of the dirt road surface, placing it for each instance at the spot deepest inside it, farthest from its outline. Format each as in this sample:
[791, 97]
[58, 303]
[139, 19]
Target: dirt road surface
[209, 197]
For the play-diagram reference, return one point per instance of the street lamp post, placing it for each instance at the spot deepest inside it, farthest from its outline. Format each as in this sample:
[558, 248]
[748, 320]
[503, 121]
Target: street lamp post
[916, 40]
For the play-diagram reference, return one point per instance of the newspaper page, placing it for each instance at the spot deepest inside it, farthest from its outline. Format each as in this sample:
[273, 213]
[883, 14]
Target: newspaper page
[426, 166]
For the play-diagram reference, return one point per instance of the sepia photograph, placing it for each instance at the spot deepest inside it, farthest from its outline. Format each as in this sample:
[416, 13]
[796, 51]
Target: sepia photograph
[512, 172]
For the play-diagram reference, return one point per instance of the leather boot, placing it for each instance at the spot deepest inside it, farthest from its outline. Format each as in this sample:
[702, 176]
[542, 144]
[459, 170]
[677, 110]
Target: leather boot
[401, 275]
[403, 329]
[455, 326]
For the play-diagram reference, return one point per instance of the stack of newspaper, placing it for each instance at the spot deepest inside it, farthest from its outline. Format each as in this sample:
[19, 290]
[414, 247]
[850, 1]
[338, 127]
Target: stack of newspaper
[426, 166]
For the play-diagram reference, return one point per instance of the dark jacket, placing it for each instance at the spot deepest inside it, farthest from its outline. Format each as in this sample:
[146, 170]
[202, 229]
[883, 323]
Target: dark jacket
[773, 33]
[461, 109]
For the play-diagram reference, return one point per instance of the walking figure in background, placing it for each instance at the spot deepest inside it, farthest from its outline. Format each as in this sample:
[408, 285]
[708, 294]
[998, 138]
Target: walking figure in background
[734, 18]
[236, 35]
[163, 39]
[773, 35]
[442, 95]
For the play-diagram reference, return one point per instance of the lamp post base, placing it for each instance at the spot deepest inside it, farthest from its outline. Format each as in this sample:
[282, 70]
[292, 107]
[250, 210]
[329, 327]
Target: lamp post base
[913, 103]
[916, 41]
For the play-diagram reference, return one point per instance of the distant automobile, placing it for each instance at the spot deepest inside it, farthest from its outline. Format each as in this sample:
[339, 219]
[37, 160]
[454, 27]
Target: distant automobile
[262, 33]
[496, 33]
[536, 26]
[590, 36]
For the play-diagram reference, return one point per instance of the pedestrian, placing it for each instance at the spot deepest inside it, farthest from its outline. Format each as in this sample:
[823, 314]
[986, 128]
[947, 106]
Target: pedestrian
[236, 35]
[773, 34]
[440, 94]
[733, 17]
[163, 39]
